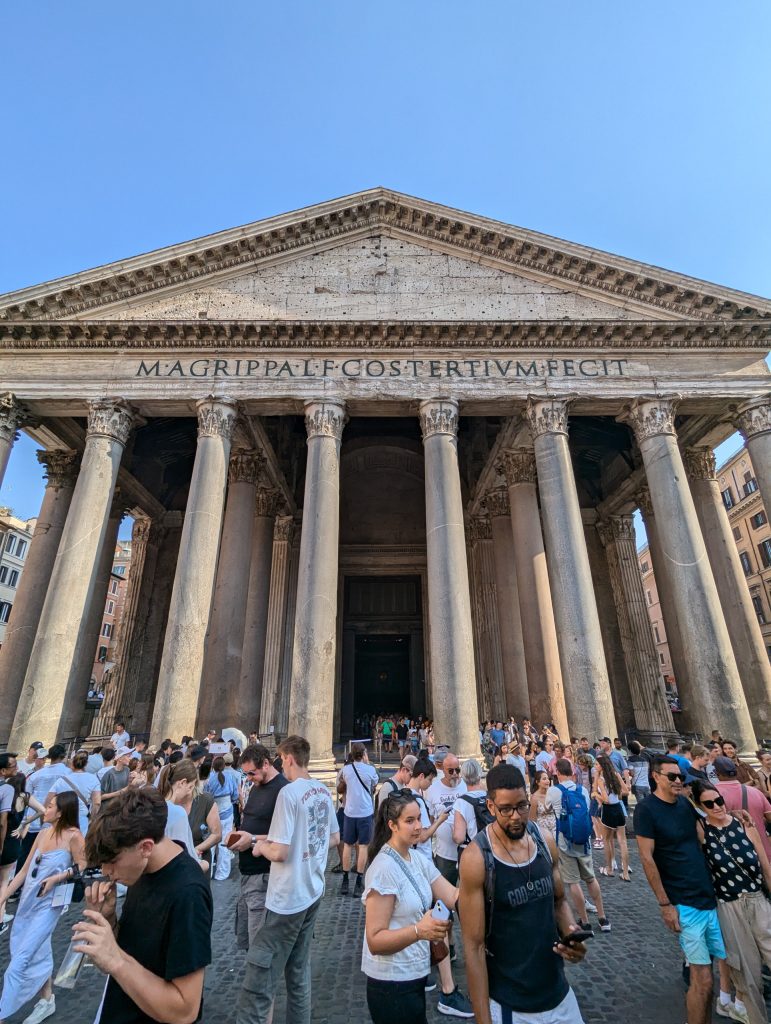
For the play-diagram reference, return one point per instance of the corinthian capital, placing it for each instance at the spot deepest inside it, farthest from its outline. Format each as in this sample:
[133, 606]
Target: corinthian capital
[644, 503]
[439, 416]
[140, 531]
[60, 467]
[649, 417]
[547, 416]
[518, 466]
[245, 466]
[217, 417]
[497, 502]
[325, 418]
[753, 418]
[12, 415]
[266, 502]
[479, 528]
[700, 463]
[110, 418]
[283, 528]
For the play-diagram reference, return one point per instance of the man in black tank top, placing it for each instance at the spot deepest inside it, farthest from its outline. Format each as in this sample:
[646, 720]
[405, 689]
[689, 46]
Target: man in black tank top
[511, 886]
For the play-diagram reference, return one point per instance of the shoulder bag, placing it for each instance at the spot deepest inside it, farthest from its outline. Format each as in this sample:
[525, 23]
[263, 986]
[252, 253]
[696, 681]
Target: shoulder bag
[439, 950]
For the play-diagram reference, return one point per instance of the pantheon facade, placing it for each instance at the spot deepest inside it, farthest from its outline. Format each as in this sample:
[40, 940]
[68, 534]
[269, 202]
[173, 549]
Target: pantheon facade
[383, 455]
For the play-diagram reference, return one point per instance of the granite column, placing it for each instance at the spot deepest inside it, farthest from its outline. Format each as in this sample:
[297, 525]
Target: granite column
[179, 679]
[456, 717]
[276, 628]
[753, 419]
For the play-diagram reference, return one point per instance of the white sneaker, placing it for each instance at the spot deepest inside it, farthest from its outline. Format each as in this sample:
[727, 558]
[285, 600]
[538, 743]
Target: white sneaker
[7, 918]
[43, 1008]
[590, 907]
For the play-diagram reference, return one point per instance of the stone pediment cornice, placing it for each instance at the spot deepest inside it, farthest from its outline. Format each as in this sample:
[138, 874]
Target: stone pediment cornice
[36, 335]
[226, 253]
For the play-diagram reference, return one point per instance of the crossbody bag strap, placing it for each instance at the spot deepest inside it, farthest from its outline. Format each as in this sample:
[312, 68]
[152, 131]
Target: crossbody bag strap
[75, 789]
[361, 780]
[395, 856]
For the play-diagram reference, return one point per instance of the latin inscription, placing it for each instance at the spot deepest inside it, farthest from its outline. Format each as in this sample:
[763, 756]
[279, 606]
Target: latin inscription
[368, 369]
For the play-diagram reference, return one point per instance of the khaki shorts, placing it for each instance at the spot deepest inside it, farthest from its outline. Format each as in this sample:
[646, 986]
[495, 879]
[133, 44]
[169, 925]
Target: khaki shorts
[576, 869]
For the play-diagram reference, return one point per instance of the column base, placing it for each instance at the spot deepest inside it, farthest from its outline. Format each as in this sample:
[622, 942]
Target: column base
[325, 770]
[654, 739]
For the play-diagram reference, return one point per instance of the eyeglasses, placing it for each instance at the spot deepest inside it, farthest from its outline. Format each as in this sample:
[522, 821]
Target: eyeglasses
[33, 872]
[453, 771]
[672, 776]
[506, 812]
[711, 804]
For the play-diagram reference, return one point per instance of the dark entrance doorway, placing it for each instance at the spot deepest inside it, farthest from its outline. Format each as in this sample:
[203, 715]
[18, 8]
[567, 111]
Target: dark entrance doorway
[382, 666]
[381, 675]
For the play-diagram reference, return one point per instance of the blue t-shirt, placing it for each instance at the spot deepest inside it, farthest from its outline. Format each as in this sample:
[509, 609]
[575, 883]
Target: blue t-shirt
[619, 761]
[497, 736]
[685, 764]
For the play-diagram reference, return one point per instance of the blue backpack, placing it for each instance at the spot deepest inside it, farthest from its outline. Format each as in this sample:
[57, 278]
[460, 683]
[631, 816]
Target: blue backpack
[574, 823]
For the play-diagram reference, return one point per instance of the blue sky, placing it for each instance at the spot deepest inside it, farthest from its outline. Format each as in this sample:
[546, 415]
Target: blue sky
[641, 129]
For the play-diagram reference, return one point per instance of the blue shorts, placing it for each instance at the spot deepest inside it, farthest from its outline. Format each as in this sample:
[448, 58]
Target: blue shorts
[700, 936]
[357, 830]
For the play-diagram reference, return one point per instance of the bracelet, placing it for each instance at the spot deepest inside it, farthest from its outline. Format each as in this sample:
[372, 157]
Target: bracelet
[417, 933]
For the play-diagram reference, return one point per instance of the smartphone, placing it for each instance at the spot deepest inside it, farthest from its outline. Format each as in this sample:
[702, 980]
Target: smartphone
[41, 889]
[581, 935]
[232, 839]
[440, 911]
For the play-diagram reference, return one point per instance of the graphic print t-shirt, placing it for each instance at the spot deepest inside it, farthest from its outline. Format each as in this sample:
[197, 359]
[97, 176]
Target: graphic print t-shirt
[304, 820]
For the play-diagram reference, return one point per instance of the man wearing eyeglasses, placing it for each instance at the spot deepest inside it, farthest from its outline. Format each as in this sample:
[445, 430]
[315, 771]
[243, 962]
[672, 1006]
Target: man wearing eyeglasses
[266, 784]
[665, 828]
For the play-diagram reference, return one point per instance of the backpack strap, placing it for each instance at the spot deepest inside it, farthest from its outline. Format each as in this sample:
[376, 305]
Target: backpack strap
[483, 842]
[540, 843]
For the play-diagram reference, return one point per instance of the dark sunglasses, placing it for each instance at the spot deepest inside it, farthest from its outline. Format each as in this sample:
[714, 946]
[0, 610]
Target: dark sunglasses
[673, 775]
[453, 771]
[711, 804]
[404, 795]
[33, 872]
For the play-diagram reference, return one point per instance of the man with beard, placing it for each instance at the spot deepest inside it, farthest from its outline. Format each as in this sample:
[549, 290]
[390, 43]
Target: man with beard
[511, 981]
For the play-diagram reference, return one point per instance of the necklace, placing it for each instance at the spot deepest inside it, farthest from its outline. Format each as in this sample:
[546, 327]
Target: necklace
[528, 884]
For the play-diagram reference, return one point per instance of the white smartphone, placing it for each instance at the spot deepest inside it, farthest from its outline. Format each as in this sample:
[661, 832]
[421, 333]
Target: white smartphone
[440, 911]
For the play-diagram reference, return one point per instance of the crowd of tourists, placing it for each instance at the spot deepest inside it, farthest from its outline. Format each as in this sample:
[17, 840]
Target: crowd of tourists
[447, 860]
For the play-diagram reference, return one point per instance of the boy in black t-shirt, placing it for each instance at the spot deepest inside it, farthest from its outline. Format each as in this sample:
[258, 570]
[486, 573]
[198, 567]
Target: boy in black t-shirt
[153, 976]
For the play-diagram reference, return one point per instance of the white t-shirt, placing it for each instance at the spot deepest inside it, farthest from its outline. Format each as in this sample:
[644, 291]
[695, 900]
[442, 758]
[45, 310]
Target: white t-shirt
[86, 784]
[304, 820]
[358, 800]
[25, 767]
[40, 785]
[178, 827]
[466, 811]
[442, 798]
[120, 739]
[386, 877]
[423, 848]
[6, 797]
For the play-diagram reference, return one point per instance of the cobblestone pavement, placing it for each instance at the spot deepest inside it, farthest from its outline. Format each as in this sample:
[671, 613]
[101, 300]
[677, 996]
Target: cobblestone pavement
[631, 974]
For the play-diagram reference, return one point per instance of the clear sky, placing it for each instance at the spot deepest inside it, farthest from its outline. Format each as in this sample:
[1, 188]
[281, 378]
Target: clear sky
[641, 129]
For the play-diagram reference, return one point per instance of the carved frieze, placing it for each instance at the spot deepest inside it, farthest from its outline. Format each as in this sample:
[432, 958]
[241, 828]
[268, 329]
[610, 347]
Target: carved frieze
[60, 467]
[439, 416]
[700, 463]
[325, 419]
[217, 417]
[284, 527]
[753, 418]
[12, 415]
[497, 502]
[245, 466]
[110, 418]
[267, 502]
[518, 466]
[650, 417]
[549, 416]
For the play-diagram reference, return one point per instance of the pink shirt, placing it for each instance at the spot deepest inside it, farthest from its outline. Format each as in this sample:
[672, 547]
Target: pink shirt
[757, 805]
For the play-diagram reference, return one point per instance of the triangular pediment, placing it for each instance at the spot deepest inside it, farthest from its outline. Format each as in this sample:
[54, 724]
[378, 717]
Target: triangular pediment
[379, 255]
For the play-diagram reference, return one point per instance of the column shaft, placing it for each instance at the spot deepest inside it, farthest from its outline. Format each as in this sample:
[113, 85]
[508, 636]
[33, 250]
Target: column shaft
[456, 718]
[718, 701]
[50, 681]
[488, 658]
[179, 680]
[277, 626]
[585, 674]
[735, 600]
[255, 633]
[61, 468]
[754, 421]
[312, 705]
[218, 704]
[651, 710]
[539, 632]
[507, 592]
[284, 692]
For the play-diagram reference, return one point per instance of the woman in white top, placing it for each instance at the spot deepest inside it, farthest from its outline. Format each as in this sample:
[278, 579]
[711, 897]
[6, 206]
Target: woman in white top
[400, 889]
[464, 822]
[84, 785]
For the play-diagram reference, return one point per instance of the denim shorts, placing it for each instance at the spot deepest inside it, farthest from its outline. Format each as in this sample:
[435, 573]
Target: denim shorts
[357, 830]
[700, 936]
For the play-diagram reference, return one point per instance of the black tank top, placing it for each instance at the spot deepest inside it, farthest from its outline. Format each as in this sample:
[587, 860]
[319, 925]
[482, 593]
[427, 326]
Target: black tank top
[524, 972]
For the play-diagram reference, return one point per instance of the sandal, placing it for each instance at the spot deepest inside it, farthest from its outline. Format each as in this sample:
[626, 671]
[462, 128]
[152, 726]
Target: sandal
[624, 879]
[606, 873]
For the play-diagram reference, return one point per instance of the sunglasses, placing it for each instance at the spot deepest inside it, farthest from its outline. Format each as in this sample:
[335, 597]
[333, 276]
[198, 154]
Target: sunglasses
[672, 776]
[453, 771]
[33, 872]
[406, 795]
[711, 804]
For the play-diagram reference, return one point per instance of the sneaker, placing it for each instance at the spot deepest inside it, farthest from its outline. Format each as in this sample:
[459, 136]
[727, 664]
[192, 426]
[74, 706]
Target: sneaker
[14, 897]
[737, 1014]
[585, 926]
[7, 918]
[604, 924]
[43, 1008]
[729, 1010]
[430, 983]
[590, 907]
[344, 885]
[4, 928]
[358, 887]
[453, 1004]
[453, 954]
[337, 869]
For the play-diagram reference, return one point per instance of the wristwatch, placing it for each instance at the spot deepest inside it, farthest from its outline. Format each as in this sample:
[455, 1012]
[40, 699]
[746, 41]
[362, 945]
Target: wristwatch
[254, 840]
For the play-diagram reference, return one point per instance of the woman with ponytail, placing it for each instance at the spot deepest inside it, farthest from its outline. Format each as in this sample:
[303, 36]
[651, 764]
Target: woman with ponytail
[400, 889]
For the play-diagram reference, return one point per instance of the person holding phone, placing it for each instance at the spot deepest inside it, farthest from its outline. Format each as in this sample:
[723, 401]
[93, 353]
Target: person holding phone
[400, 888]
[49, 862]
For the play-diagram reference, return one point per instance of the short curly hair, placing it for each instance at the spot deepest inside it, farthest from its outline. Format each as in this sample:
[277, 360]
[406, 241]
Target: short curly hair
[124, 821]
